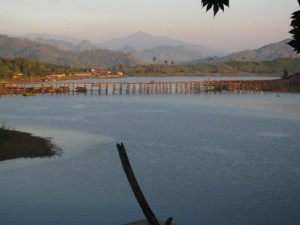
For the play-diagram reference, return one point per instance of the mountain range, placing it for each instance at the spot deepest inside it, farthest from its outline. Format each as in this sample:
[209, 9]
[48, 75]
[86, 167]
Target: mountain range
[143, 45]
[138, 48]
[11, 47]
[147, 46]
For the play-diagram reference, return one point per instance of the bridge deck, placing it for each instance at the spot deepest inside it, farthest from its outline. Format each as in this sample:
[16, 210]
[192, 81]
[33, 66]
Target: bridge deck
[152, 87]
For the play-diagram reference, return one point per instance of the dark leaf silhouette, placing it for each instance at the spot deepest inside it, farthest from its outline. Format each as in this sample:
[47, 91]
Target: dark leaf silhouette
[221, 6]
[295, 14]
[216, 9]
[295, 43]
[209, 6]
[295, 23]
[296, 33]
[216, 4]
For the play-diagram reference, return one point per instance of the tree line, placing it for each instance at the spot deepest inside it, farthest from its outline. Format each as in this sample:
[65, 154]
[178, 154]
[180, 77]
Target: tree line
[274, 67]
[28, 68]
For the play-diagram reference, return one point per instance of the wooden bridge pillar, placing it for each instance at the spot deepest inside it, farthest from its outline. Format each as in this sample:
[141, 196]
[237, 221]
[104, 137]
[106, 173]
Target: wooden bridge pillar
[120, 89]
[133, 88]
[114, 89]
[128, 89]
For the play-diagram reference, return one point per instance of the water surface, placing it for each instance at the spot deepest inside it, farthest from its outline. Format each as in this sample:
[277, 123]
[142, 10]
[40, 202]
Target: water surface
[211, 159]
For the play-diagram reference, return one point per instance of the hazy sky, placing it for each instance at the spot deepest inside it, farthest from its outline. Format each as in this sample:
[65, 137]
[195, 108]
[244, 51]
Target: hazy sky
[245, 25]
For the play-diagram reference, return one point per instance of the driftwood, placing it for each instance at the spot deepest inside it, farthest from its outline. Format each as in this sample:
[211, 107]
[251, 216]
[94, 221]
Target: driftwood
[136, 188]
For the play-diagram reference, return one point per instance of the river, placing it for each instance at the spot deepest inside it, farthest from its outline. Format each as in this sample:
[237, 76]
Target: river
[209, 159]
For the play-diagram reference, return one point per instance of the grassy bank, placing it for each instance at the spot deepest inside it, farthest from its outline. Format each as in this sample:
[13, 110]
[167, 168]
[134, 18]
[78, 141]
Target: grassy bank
[16, 144]
[232, 68]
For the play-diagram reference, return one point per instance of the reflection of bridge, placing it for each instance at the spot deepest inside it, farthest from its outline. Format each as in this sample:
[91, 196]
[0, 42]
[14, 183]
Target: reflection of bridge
[152, 87]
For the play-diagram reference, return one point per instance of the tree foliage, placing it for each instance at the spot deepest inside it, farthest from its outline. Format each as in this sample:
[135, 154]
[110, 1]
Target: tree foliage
[295, 43]
[274, 67]
[8, 67]
[216, 4]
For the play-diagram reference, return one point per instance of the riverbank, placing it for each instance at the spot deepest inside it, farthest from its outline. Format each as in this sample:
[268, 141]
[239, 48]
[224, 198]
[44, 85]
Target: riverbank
[16, 144]
[203, 74]
[135, 74]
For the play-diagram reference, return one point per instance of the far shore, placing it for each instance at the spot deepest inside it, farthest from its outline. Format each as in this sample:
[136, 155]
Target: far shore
[194, 74]
[177, 74]
[16, 144]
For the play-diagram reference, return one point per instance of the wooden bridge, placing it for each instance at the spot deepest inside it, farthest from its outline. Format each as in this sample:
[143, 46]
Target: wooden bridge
[152, 87]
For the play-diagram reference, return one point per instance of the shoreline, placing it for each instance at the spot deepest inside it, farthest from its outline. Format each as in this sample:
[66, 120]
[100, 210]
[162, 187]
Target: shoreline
[144, 75]
[17, 144]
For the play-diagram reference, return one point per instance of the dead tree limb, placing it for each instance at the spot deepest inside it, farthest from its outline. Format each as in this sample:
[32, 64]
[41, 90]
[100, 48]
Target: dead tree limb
[136, 188]
[169, 221]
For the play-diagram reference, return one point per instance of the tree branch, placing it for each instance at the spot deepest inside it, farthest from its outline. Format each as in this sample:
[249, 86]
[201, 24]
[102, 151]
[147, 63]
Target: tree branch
[135, 186]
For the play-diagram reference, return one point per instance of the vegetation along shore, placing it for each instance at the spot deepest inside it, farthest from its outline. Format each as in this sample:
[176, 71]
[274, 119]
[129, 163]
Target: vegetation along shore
[21, 69]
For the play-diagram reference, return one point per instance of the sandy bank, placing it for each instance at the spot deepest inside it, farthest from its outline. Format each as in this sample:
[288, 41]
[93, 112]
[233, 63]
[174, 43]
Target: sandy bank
[16, 144]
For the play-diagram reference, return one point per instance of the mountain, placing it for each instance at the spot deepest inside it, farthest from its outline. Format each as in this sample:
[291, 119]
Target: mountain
[140, 44]
[147, 46]
[83, 45]
[266, 53]
[16, 47]
[170, 53]
[33, 36]
[143, 47]
[61, 42]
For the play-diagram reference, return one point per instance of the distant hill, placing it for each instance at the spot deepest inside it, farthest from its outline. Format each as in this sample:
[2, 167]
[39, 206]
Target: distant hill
[33, 36]
[16, 47]
[171, 53]
[141, 47]
[147, 46]
[140, 44]
[84, 45]
[268, 52]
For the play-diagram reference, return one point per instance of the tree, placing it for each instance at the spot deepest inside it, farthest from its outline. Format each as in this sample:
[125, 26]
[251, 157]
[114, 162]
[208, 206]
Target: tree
[285, 74]
[120, 67]
[210, 59]
[154, 59]
[295, 43]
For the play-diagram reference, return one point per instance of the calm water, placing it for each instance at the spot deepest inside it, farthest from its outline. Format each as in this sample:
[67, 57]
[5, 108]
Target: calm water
[211, 159]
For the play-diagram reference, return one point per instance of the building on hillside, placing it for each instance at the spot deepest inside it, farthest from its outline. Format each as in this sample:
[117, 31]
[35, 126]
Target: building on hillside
[83, 74]
[56, 76]
[17, 75]
[100, 72]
